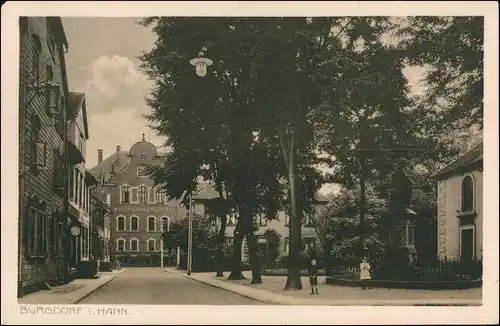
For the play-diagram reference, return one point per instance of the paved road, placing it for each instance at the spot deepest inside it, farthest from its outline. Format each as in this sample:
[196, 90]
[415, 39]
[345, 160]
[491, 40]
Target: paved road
[144, 285]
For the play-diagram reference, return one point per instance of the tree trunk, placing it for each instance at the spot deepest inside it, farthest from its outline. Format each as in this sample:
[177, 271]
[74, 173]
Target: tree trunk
[220, 254]
[362, 203]
[293, 281]
[236, 273]
[254, 258]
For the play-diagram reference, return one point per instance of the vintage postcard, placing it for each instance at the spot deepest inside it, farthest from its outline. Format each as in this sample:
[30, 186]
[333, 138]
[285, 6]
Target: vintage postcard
[203, 162]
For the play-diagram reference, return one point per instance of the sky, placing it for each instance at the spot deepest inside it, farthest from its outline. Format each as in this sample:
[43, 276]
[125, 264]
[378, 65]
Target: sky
[102, 63]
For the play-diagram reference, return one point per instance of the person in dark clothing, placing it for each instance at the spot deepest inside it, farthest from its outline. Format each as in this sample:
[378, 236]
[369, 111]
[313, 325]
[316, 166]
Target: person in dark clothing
[313, 272]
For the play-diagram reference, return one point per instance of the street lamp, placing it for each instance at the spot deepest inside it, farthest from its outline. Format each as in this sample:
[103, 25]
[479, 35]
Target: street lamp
[201, 63]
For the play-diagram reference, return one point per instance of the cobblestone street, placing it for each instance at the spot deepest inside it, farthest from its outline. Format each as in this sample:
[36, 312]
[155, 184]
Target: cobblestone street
[153, 286]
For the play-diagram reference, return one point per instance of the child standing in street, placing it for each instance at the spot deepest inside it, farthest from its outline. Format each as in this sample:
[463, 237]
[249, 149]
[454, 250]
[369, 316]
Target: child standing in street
[364, 272]
[313, 273]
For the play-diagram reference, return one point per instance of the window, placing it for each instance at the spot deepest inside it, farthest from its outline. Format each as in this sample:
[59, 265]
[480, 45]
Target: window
[141, 171]
[151, 223]
[38, 148]
[58, 173]
[80, 194]
[35, 68]
[52, 95]
[467, 194]
[151, 245]
[36, 232]
[134, 223]
[125, 195]
[120, 244]
[287, 220]
[85, 242]
[262, 220]
[164, 223]
[120, 223]
[160, 195]
[60, 121]
[143, 195]
[134, 245]
[77, 185]
[71, 185]
[310, 244]
[231, 220]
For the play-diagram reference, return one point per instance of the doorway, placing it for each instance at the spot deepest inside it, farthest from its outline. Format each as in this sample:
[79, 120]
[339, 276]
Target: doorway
[467, 243]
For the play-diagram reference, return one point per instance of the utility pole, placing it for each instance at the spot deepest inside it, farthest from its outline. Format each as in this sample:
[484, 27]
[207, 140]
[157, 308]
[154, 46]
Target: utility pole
[190, 236]
[161, 242]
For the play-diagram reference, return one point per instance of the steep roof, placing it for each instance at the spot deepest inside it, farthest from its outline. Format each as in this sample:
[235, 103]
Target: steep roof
[119, 158]
[75, 102]
[102, 170]
[472, 156]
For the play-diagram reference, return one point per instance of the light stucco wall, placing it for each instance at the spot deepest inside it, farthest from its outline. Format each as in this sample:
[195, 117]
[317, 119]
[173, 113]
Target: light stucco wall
[449, 205]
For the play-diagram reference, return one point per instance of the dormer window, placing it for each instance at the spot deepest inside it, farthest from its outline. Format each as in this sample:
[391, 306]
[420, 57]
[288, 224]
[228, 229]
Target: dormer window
[141, 172]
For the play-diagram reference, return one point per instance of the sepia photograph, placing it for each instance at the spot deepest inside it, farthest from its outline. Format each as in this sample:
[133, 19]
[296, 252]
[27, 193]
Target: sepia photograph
[330, 160]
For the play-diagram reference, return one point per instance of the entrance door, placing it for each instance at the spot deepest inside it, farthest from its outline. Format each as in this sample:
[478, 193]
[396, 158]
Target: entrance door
[467, 243]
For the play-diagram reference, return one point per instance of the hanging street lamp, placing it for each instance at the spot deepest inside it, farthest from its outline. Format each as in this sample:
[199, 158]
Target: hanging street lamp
[201, 63]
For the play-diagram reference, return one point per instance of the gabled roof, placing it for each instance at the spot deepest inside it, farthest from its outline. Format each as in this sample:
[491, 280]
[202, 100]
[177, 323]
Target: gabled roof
[75, 102]
[102, 170]
[464, 161]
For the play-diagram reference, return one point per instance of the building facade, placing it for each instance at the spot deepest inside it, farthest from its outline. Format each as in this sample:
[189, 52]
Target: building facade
[138, 209]
[42, 115]
[460, 206]
[310, 239]
[80, 181]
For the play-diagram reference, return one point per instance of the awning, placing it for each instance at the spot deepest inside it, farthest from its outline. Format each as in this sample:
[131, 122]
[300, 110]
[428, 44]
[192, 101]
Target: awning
[74, 154]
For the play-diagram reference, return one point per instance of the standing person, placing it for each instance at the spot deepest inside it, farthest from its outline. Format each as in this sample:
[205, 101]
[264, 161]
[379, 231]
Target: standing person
[313, 272]
[364, 272]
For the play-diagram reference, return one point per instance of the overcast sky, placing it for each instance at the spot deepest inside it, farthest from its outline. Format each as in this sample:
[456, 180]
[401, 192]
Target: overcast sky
[102, 62]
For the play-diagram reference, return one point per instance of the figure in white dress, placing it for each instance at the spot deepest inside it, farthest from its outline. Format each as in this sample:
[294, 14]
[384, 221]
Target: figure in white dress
[364, 272]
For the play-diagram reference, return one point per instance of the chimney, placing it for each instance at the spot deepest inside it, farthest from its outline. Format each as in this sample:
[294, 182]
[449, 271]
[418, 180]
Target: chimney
[117, 155]
[463, 142]
[99, 156]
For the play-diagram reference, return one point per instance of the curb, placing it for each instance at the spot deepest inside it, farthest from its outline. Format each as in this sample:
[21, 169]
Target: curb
[220, 286]
[278, 299]
[86, 295]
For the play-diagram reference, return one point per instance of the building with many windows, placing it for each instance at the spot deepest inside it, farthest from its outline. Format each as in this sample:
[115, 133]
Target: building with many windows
[460, 206]
[138, 209]
[43, 108]
[206, 192]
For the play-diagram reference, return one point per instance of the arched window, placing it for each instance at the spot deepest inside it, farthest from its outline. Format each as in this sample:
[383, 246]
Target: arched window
[151, 244]
[467, 194]
[151, 223]
[125, 195]
[160, 195]
[143, 195]
[120, 223]
[134, 245]
[134, 223]
[165, 223]
[120, 244]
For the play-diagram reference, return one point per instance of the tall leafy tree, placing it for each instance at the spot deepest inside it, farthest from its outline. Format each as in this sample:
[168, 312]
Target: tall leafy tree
[452, 48]
[210, 125]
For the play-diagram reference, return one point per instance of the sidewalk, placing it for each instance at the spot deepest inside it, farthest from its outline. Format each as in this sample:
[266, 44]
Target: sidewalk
[271, 292]
[71, 293]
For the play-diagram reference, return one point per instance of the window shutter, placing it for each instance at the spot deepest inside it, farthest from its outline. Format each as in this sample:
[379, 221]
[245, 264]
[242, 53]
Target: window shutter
[41, 158]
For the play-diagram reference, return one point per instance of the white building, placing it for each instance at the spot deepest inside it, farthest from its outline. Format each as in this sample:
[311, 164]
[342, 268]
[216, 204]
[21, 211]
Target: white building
[460, 206]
